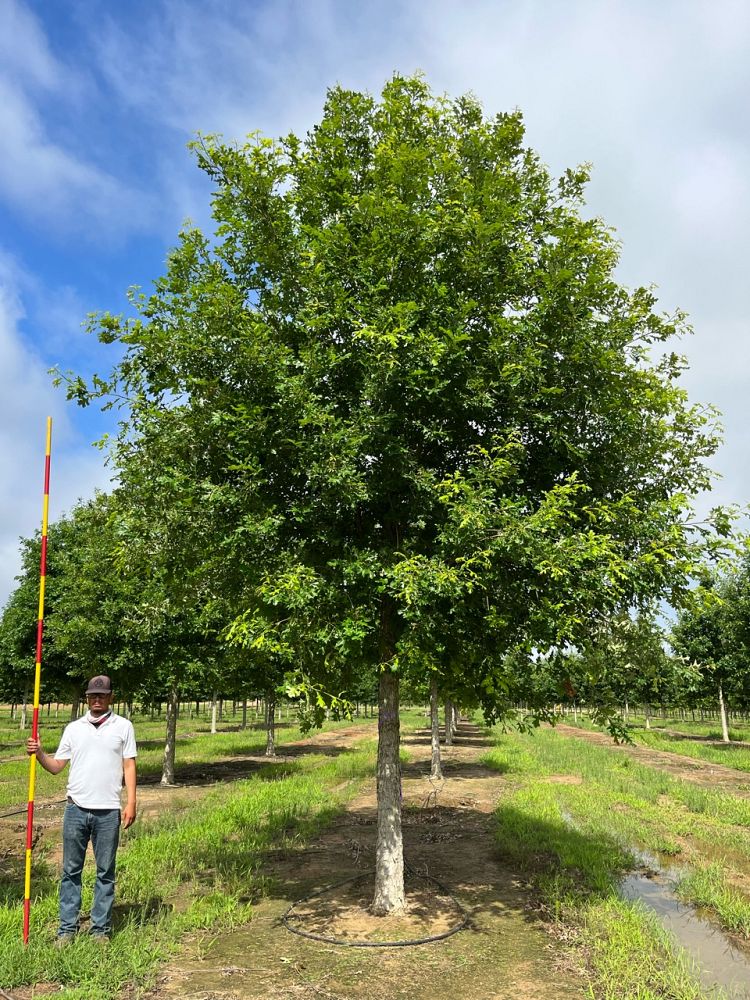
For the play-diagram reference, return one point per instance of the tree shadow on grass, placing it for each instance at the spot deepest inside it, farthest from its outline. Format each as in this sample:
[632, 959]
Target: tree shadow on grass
[158, 744]
[267, 769]
[12, 876]
[241, 764]
[149, 911]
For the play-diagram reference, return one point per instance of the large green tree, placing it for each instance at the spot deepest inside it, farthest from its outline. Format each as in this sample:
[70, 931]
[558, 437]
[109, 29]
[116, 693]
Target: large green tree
[397, 407]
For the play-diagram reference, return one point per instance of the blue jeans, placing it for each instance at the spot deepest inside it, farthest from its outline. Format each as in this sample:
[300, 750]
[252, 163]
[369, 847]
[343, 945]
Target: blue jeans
[102, 828]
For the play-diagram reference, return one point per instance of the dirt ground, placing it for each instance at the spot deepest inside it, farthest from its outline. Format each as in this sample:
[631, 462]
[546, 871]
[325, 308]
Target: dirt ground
[504, 951]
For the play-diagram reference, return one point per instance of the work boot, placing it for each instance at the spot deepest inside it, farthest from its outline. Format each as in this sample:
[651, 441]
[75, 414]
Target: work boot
[63, 939]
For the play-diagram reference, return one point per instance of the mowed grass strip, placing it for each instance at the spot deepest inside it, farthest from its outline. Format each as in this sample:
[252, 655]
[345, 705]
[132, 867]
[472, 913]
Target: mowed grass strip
[727, 754]
[699, 740]
[574, 837]
[178, 874]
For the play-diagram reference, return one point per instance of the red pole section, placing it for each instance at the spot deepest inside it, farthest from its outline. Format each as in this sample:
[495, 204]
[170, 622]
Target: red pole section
[37, 686]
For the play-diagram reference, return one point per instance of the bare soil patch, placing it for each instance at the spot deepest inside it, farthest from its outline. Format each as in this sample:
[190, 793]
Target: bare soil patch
[341, 913]
[504, 953]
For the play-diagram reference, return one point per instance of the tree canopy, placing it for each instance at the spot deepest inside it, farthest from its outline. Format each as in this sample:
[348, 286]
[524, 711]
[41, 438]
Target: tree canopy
[397, 411]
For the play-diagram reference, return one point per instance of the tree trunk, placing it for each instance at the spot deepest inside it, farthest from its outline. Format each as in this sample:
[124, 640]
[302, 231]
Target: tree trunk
[270, 724]
[167, 770]
[723, 714]
[74, 708]
[244, 713]
[213, 713]
[389, 857]
[23, 711]
[648, 716]
[435, 769]
[448, 724]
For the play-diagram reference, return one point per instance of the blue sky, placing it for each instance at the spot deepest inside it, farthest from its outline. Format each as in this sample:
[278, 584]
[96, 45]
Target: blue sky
[98, 101]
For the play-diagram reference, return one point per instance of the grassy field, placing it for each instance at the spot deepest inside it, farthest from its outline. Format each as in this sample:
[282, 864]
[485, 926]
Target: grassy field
[700, 740]
[570, 817]
[183, 870]
[584, 825]
[196, 746]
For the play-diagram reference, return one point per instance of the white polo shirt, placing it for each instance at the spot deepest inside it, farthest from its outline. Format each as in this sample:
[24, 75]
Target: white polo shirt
[96, 754]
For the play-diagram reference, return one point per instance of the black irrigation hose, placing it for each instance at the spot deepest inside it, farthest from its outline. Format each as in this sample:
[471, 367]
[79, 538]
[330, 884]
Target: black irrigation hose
[39, 805]
[412, 942]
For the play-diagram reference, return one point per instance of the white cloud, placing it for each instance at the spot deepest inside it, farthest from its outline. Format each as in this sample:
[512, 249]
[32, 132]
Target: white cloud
[23, 46]
[40, 177]
[656, 95]
[27, 397]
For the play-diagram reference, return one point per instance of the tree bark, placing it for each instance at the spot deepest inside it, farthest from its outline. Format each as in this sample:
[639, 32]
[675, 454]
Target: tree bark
[213, 713]
[270, 724]
[23, 711]
[723, 714]
[167, 770]
[448, 723]
[435, 769]
[389, 856]
[75, 705]
[244, 713]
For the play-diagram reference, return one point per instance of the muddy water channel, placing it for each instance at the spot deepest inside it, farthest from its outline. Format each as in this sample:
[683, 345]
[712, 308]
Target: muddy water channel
[722, 968]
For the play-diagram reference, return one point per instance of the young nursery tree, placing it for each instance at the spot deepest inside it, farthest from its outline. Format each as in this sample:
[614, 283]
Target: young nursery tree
[411, 407]
[713, 634]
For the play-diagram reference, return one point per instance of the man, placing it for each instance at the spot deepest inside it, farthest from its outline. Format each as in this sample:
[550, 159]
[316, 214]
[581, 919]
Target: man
[101, 749]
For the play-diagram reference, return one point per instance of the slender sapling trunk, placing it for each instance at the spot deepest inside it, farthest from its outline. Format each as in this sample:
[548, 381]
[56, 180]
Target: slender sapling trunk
[167, 770]
[435, 768]
[270, 724]
[723, 714]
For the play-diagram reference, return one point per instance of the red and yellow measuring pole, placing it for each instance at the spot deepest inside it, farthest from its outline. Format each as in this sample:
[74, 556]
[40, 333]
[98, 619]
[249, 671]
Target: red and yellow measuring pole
[37, 686]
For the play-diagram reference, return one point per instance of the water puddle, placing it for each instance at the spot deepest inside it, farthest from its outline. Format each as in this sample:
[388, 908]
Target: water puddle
[722, 968]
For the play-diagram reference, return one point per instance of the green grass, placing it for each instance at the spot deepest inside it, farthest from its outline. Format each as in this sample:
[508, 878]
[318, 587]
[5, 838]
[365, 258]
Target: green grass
[179, 874]
[674, 735]
[727, 754]
[196, 745]
[584, 827]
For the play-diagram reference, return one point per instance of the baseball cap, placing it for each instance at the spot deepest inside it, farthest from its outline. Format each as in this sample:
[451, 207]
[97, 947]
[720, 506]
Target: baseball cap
[101, 684]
